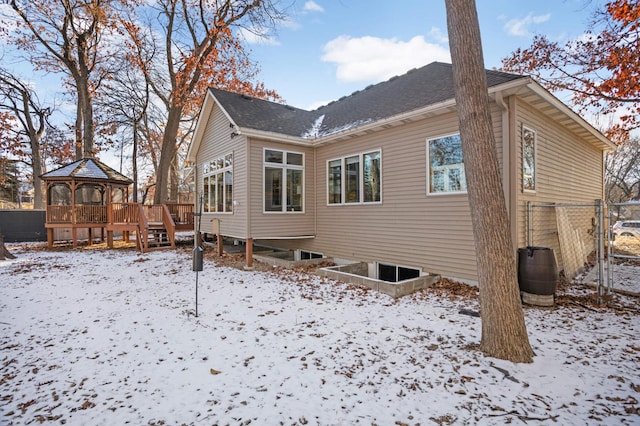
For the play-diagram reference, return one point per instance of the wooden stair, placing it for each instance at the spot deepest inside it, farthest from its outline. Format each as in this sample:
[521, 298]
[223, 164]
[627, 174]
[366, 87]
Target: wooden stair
[156, 228]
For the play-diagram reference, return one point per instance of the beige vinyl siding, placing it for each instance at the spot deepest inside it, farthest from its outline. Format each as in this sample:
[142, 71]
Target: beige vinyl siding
[217, 142]
[568, 169]
[410, 227]
[275, 224]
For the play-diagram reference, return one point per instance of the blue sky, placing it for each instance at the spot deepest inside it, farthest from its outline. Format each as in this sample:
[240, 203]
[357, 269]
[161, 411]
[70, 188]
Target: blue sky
[331, 48]
[327, 49]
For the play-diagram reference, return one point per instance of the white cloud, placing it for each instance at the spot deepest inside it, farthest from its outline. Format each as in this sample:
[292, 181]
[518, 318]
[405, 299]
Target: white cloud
[436, 34]
[255, 37]
[312, 6]
[373, 59]
[520, 27]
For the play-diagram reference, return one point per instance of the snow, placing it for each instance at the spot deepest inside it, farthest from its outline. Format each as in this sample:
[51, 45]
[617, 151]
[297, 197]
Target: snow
[101, 337]
[314, 131]
[316, 128]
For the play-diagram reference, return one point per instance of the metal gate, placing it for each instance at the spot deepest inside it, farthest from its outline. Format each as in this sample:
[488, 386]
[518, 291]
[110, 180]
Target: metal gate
[590, 233]
[623, 249]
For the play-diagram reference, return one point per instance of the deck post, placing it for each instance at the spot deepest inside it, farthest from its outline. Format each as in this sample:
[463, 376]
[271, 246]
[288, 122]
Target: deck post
[50, 237]
[110, 239]
[219, 242]
[74, 236]
[90, 236]
[249, 253]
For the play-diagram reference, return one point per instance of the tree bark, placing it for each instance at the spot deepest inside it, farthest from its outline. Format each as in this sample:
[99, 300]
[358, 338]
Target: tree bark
[167, 155]
[504, 334]
[4, 253]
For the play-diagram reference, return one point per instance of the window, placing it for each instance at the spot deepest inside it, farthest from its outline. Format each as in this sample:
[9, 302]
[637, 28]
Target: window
[283, 181]
[355, 179]
[395, 273]
[218, 185]
[445, 164]
[528, 160]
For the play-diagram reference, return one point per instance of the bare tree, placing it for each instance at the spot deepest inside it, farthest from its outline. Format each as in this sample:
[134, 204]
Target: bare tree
[198, 50]
[622, 172]
[30, 118]
[67, 36]
[504, 334]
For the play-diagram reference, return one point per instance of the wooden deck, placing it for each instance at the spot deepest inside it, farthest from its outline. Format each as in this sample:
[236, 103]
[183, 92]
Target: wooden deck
[155, 225]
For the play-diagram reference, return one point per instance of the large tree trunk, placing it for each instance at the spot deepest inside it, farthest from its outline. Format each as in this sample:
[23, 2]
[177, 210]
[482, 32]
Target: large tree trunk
[504, 334]
[36, 161]
[134, 155]
[167, 155]
[78, 132]
[85, 104]
[4, 253]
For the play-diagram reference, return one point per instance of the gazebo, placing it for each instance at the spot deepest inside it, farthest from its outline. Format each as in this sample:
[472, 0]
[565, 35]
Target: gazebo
[88, 194]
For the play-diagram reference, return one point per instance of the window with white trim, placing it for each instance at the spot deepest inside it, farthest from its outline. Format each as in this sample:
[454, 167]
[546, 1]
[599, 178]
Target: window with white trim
[528, 160]
[218, 185]
[283, 181]
[445, 165]
[355, 179]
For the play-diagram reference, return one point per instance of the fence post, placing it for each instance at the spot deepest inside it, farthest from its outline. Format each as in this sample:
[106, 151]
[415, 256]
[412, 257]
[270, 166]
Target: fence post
[600, 249]
[609, 253]
[529, 223]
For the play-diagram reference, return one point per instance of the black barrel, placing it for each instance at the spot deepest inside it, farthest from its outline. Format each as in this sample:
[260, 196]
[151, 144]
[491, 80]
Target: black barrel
[537, 271]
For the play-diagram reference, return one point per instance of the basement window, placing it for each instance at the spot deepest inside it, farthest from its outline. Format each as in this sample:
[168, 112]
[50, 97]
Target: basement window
[306, 255]
[395, 273]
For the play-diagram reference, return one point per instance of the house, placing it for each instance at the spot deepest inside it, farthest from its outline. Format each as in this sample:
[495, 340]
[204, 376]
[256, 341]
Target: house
[378, 175]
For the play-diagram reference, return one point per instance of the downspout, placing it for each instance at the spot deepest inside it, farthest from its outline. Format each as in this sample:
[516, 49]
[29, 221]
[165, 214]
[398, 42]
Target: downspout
[508, 164]
[315, 193]
[505, 147]
[247, 146]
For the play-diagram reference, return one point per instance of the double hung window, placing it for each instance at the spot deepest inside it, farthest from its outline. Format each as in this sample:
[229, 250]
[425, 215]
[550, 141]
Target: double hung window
[445, 165]
[528, 160]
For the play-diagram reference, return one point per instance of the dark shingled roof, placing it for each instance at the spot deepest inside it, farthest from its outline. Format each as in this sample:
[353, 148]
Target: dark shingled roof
[414, 90]
[87, 168]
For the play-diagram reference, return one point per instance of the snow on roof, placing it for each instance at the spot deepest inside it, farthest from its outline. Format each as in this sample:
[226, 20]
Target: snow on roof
[87, 168]
[314, 131]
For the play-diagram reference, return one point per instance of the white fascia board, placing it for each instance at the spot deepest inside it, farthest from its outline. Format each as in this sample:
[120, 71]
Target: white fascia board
[275, 137]
[558, 104]
[205, 112]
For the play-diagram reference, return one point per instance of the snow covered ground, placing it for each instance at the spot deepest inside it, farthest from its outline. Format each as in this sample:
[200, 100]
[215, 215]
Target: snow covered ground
[92, 337]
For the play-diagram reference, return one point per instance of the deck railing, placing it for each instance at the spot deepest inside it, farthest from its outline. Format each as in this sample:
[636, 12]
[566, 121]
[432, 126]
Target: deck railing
[120, 213]
[123, 213]
[59, 214]
[181, 213]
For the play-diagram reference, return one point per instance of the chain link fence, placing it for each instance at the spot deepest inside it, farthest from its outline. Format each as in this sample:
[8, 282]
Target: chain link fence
[603, 240]
[576, 233]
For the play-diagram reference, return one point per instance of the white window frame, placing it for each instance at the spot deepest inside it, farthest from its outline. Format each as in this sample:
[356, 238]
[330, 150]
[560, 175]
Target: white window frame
[464, 177]
[284, 167]
[343, 164]
[535, 159]
[211, 169]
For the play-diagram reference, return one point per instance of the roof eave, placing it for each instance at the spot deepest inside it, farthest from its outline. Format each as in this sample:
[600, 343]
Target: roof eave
[273, 136]
[205, 111]
[604, 143]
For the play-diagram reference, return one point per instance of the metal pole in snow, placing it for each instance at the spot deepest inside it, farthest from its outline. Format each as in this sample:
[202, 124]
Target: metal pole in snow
[197, 250]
